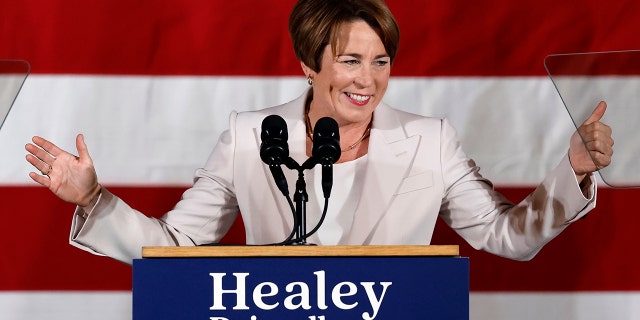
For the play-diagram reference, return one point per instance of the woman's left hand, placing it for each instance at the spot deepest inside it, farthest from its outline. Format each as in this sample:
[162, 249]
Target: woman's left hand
[591, 146]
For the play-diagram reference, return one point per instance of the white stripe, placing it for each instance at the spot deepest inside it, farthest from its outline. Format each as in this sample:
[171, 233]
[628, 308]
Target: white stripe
[483, 306]
[66, 305]
[566, 306]
[157, 130]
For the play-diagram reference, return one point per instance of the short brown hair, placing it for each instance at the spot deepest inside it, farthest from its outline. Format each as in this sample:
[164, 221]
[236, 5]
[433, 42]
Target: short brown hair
[313, 24]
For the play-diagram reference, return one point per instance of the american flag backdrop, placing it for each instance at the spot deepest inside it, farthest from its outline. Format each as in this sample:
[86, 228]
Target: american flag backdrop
[150, 83]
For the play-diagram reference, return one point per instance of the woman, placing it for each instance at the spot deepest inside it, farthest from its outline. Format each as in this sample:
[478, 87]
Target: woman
[398, 171]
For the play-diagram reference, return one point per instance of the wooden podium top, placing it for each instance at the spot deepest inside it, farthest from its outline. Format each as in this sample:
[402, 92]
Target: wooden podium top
[299, 251]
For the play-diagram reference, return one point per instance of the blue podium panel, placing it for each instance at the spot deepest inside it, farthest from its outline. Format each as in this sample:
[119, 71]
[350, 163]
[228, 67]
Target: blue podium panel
[301, 288]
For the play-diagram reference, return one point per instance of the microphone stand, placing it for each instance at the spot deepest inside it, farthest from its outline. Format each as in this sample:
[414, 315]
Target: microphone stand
[274, 148]
[300, 198]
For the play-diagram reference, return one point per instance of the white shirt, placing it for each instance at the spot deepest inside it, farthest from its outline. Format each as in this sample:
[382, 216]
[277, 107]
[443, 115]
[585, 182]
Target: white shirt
[347, 186]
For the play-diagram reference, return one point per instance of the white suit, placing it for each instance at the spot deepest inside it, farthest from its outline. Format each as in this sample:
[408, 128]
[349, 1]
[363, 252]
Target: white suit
[416, 171]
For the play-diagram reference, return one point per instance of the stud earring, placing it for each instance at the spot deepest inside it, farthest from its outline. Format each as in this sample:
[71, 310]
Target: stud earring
[310, 80]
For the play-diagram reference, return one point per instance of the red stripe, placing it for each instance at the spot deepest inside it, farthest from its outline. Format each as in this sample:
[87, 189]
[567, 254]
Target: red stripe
[594, 254]
[36, 254]
[14, 67]
[247, 37]
[603, 64]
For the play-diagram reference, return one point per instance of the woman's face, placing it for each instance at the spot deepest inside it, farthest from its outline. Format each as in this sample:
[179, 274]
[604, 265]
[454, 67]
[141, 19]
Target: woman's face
[352, 83]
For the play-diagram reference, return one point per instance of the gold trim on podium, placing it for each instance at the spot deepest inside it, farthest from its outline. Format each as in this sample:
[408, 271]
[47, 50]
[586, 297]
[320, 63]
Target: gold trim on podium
[299, 251]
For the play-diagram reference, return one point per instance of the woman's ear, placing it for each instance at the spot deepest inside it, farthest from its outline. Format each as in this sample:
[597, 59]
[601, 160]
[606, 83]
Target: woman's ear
[308, 72]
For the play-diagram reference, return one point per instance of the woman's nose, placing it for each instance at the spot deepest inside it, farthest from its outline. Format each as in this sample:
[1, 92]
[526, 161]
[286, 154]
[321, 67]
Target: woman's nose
[364, 77]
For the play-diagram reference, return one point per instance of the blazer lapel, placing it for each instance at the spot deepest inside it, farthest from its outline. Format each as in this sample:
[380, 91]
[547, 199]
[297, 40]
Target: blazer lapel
[389, 157]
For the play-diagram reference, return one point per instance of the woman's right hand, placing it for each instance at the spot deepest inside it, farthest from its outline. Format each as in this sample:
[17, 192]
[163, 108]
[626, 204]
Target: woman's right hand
[71, 178]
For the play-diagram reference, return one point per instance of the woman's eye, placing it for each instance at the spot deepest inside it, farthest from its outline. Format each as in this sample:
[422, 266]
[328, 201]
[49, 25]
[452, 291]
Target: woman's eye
[351, 61]
[381, 63]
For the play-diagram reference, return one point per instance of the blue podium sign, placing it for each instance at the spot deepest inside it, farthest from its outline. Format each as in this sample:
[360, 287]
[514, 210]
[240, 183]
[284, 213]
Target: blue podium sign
[301, 288]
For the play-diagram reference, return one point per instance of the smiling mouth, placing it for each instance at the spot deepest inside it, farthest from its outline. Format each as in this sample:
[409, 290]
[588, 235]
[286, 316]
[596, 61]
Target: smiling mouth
[358, 99]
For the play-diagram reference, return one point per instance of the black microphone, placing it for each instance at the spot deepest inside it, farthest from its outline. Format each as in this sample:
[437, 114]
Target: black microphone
[326, 150]
[326, 141]
[274, 149]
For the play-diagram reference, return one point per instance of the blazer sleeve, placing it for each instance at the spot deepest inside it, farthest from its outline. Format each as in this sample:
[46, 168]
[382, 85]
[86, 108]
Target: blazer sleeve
[204, 214]
[490, 222]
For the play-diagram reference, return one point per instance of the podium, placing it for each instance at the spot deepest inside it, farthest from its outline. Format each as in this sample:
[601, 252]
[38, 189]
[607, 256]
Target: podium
[301, 283]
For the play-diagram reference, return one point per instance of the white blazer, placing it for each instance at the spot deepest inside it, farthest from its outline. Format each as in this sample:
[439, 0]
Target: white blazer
[416, 171]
